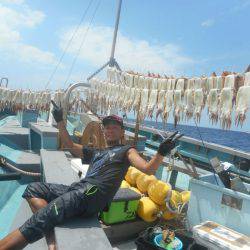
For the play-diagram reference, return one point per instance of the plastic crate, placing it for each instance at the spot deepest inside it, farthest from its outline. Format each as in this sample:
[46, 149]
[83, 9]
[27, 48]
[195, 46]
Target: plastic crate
[213, 202]
[122, 208]
[215, 236]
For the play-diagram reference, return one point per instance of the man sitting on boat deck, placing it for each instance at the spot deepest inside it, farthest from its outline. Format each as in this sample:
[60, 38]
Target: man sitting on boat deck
[53, 203]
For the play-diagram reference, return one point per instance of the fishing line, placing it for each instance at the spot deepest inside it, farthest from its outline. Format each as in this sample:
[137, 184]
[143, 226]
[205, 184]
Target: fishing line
[205, 150]
[82, 42]
[68, 44]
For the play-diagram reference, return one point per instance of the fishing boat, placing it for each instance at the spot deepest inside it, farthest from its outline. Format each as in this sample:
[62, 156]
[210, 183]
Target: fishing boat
[213, 179]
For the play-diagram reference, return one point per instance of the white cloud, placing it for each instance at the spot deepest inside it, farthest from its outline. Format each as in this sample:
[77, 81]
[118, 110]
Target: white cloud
[12, 1]
[242, 5]
[131, 53]
[11, 42]
[207, 23]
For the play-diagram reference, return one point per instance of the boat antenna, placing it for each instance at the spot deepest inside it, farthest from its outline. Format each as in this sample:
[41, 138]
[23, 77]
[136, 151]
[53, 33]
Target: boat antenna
[112, 61]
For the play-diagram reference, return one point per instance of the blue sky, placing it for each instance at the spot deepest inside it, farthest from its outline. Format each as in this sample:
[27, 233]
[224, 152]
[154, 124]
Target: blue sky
[173, 37]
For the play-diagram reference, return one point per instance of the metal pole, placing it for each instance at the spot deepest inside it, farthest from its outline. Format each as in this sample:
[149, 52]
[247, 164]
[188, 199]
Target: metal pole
[112, 62]
[115, 33]
[96, 72]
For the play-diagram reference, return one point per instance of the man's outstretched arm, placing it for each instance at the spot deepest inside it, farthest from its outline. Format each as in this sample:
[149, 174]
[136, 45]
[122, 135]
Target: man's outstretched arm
[150, 167]
[147, 167]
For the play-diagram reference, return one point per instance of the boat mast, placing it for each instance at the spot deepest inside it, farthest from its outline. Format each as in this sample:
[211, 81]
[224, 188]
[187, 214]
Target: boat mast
[112, 62]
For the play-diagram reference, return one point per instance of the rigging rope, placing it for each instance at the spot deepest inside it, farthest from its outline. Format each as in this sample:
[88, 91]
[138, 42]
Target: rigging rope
[68, 44]
[82, 42]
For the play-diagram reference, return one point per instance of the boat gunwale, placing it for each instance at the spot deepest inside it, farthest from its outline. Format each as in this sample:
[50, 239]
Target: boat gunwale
[209, 145]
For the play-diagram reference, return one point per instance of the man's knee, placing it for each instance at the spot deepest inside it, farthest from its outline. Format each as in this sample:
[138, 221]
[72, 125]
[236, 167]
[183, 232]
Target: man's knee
[36, 203]
[34, 190]
[28, 192]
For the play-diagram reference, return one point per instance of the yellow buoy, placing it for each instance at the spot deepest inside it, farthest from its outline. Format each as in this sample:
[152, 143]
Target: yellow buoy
[185, 196]
[143, 181]
[147, 209]
[124, 184]
[132, 175]
[158, 191]
[127, 176]
[136, 190]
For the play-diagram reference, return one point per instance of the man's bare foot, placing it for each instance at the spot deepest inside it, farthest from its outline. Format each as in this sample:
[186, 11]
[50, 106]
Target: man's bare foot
[52, 247]
[50, 239]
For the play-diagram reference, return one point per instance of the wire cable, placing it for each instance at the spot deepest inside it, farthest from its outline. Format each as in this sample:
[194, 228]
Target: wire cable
[205, 150]
[82, 42]
[68, 44]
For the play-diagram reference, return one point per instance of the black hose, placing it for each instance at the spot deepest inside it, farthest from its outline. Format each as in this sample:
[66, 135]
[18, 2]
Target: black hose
[10, 176]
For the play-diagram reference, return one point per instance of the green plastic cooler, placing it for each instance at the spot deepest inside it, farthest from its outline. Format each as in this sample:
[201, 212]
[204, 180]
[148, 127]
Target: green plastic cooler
[122, 208]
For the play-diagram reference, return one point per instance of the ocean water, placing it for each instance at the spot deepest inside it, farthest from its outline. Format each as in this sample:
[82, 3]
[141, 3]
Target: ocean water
[233, 139]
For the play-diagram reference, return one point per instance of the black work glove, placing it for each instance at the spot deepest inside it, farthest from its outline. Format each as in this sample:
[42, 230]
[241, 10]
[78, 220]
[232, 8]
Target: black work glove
[168, 144]
[57, 112]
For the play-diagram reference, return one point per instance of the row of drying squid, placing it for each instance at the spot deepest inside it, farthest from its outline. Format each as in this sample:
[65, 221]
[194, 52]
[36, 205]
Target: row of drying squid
[185, 97]
[19, 100]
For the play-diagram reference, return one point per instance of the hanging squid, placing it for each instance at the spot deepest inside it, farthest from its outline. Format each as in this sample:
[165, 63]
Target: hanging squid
[126, 99]
[219, 82]
[178, 106]
[226, 104]
[144, 104]
[136, 80]
[131, 99]
[111, 74]
[129, 80]
[121, 96]
[25, 99]
[212, 104]
[172, 83]
[197, 83]
[180, 85]
[188, 104]
[162, 84]
[198, 103]
[147, 83]
[169, 104]
[161, 103]
[247, 79]
[117, 76]
[141, 81]
[154, 83]
[111, 94]
[116, 94]
[136, 99]
[190, 83]
[18, 101]
[242, 104]
[210, 84]
[152, 102]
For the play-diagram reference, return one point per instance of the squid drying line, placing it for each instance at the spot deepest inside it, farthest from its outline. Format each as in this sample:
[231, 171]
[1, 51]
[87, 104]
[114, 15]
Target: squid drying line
[184, 98]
